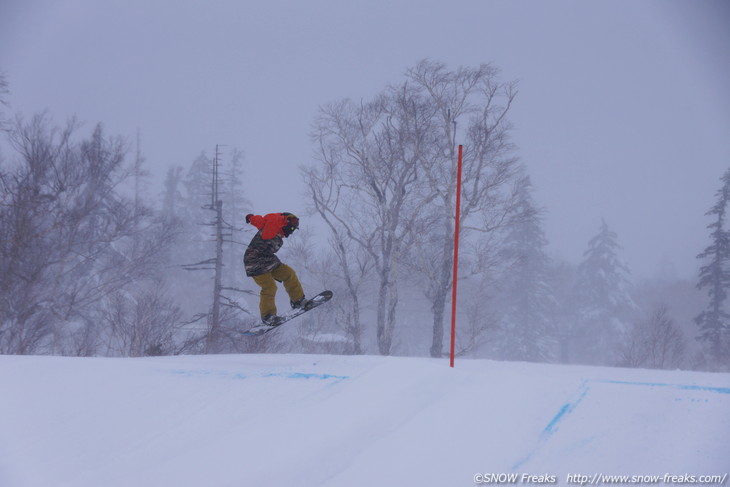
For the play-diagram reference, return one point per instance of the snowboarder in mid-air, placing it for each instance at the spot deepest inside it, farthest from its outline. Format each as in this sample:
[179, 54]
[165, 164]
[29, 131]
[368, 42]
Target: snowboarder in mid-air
[266, 269]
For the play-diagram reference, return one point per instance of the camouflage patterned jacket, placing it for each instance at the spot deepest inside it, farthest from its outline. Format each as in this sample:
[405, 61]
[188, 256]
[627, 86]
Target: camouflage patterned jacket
[259, 257]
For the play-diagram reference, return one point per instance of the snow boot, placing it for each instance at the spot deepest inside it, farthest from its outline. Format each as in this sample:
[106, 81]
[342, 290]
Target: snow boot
[272, 320]
[304, 303]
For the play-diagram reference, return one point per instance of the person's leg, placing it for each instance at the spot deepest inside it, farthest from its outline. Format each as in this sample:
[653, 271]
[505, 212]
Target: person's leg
[267, 300]
[286, 275]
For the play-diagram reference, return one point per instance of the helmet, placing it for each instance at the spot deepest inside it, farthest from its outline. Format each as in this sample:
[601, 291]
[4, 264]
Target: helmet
[292, 223]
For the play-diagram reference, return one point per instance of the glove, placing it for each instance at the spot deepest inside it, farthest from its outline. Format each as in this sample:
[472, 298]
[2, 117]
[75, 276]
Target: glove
[248, 217]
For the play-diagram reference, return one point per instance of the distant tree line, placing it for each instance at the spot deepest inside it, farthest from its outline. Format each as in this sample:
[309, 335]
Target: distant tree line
[91, 264]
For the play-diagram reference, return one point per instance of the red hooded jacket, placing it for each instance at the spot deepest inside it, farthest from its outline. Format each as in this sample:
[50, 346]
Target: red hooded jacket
[272, 224]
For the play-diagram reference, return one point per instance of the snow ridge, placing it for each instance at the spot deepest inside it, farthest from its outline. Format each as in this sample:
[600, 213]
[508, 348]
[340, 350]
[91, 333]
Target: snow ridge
[332, 421]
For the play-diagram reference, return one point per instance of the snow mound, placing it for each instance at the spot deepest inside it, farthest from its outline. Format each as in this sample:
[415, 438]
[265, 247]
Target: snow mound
[312, 420]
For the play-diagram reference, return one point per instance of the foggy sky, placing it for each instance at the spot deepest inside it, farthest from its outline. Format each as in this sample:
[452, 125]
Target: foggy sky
[623, 111]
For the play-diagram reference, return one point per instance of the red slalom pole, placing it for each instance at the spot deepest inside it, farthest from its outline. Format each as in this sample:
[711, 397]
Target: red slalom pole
[456, 255]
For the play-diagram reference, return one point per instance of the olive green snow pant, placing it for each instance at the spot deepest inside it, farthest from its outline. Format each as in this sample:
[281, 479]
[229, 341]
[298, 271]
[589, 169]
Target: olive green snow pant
[283, 274]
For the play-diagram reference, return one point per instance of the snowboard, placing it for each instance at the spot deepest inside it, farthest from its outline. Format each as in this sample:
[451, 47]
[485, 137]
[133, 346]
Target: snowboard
[318, 300]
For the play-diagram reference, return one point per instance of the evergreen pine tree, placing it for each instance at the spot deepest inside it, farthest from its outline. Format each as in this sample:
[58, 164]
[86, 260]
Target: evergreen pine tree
[196, 207]
[525, 331]
[171, 196]
[714, 322]
[3, 101]
[236, 205]
[604, 303]
[184, 199]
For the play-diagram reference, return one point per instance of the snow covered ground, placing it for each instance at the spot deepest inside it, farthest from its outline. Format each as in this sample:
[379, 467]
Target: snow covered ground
[310, 420]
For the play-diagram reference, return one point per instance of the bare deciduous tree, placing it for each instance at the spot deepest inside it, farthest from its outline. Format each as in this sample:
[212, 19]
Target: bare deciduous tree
[345, 264]
[387, 178]
[370, 155]
[68, 238]
[478, 100]
[655, 342]
[141, 324]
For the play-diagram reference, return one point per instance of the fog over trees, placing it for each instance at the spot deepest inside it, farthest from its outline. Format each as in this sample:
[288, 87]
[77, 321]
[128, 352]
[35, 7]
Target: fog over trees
[96, 258]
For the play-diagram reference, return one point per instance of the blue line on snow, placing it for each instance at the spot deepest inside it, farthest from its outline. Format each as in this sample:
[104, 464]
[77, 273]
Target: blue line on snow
[232, 375]
[552, 426]
[303, 375]
[568, 408]
[684, 387]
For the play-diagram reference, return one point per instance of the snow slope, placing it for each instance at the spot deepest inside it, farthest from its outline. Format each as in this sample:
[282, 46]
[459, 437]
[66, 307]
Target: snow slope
[306, 420]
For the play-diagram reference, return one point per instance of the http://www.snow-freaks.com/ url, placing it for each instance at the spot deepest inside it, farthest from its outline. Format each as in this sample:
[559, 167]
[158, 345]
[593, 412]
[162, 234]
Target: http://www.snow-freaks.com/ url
[599, 479]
